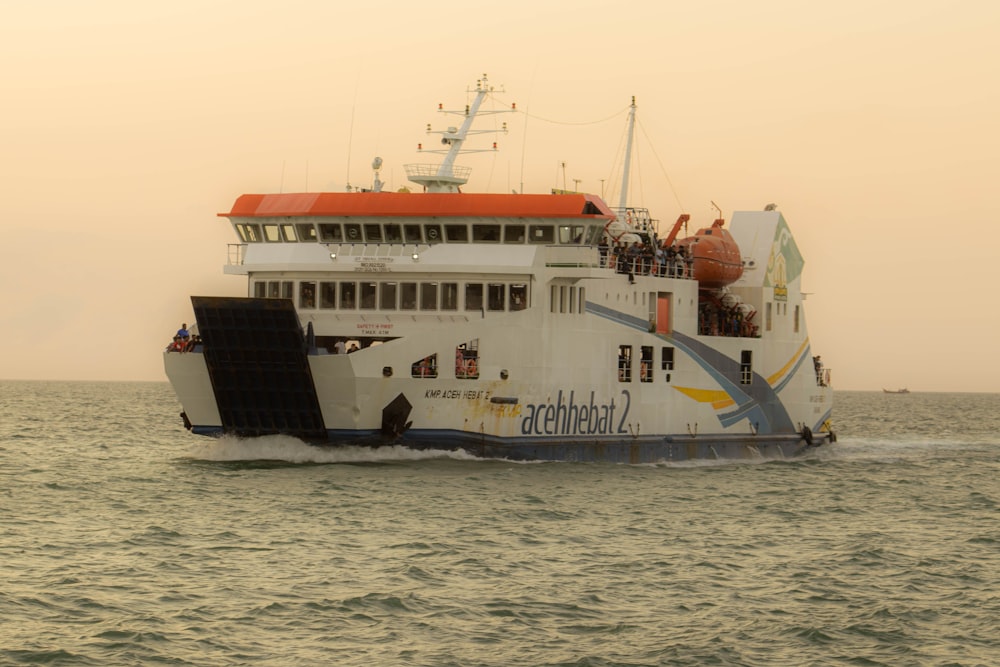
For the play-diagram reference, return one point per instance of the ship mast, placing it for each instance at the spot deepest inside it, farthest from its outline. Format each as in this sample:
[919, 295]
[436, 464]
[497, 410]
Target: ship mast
[449, 177]
[628, 156]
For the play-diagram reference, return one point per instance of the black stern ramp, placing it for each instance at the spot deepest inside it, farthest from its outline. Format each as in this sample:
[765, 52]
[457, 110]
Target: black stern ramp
[256, 357]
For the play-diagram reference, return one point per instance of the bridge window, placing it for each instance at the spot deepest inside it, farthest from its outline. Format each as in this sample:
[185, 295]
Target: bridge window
[432, 233]
[486, 233]
[271, 234]
[513, 234]
[306, 232]
[373, 233]
[571, 233]
[541, 234]
[249, 233]
[353, 232]
[412, 233]
[288, 232]
[456, 233]
[394, 233]
[330, 233]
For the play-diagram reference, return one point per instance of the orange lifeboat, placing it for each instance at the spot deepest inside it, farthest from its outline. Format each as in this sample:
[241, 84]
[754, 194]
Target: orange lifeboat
[714, 256]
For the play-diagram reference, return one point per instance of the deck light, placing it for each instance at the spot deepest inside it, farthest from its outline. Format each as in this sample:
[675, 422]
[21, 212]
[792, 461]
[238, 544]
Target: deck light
[416, 257]
[333, 256]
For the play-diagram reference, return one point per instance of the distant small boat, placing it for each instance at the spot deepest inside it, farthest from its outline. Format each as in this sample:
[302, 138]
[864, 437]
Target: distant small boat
[904, 390]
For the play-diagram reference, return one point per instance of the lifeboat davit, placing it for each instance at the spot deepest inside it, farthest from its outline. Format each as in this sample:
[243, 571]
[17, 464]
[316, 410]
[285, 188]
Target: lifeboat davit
[715, 256]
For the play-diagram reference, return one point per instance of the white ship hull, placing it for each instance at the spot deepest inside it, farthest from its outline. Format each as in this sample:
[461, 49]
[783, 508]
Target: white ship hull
[544, 327]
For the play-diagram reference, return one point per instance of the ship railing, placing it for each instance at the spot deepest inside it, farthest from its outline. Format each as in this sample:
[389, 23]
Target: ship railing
[644, 265]
[237, 253]
[636, 218]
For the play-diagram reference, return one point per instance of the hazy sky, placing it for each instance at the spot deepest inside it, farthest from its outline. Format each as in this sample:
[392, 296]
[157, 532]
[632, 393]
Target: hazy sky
[873, 125]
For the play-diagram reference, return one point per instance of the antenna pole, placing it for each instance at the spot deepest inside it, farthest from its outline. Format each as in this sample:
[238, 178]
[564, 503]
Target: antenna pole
[628, 155]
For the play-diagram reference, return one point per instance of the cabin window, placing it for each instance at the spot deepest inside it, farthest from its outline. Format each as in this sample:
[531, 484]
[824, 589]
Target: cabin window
[271, 234]
[366, 296]
[428, 296]
[306, 232]
[554, 299]
[646, 363]
[330, 233]
[387, 296]
[456, 233]
[352, 232]
[624, 363]
[449, 296]
[746, 366]
[513, 234]
[394, 233]
[348, 296]
[473, 296]
[327, 295]
[540, 234]
[307, 295]
[373, 233]
[288, 232]
[581, 294]
[432, 233]
[518, 297]
[412, 233]
[467, 360]
[408, 296]
[666, 359]
[796, 319]
[260, 289]
[486, 233]
[425, 368]
[496, 296]
[767, 316]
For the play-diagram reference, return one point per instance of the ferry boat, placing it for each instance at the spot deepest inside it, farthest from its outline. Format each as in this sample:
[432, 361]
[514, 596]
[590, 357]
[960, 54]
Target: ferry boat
[547, 327]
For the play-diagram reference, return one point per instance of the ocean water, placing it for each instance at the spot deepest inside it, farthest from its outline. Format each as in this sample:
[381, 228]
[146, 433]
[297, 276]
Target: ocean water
[126, 541]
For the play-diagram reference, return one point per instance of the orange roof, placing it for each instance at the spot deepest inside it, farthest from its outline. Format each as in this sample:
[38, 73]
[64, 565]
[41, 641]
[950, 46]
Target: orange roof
[406, 204]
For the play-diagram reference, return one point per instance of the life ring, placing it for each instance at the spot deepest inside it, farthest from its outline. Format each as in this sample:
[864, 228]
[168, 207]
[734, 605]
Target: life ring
[470, 368]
